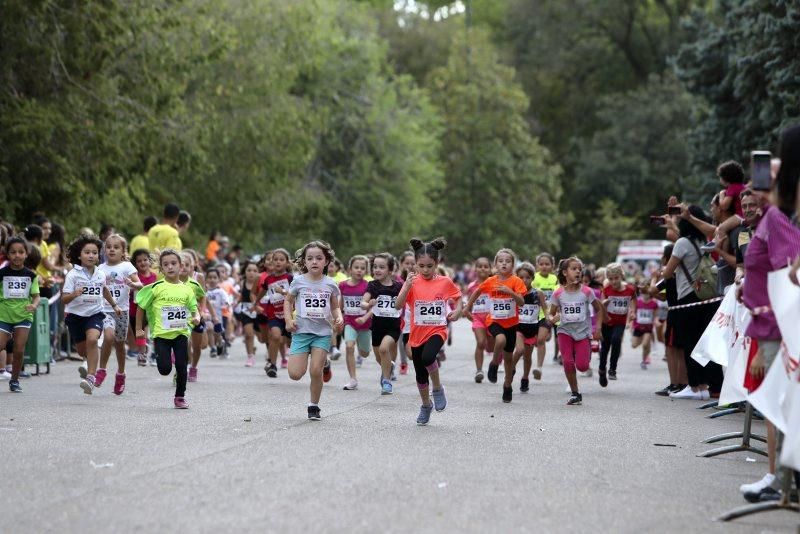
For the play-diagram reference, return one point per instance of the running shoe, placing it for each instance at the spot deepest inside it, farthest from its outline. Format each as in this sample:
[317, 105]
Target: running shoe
[327, 374]
[99, 377]
[643, 365]
[403, 368]
[213, 352]
[479, 376]
[314, 413]
[192, 374]
[119, 383]
[181, 404]
[87, 384]
[351, 385]
[665, 391]
[251, 361]
[524, 385]
[5, 375]
[603, 377]
[755, 487]
[575, 399]
[141, 360]
[537, 374]
[153, 360]
[272, 371]
[612, 374]
[386, 387]
[335, 353]
[424, 415]
[24, 374]
[284, 362]
[587, 373]
[83, 370]
[439, 399]
[492, 374]
[508, 393]
[14, 387]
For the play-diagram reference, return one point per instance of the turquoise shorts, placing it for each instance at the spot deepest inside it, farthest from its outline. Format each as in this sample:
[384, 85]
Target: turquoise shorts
[303, 343]
[363, 338]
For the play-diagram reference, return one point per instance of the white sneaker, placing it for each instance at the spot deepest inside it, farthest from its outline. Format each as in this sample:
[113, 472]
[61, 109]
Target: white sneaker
[5, 375]
[351, 385]
[83, 370]
[687, 393]
[587, 373]
[756, 487]
[705, 395]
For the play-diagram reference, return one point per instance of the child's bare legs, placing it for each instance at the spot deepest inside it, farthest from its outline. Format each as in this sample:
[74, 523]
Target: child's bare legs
[275, 344]
[383, 354]
[527, 361]
[480, 346]
[249, 339]
[350, 358]
[541, 345]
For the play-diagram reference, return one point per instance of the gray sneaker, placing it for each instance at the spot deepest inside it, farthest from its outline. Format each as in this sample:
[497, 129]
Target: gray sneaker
[439, 400]
[424, 415]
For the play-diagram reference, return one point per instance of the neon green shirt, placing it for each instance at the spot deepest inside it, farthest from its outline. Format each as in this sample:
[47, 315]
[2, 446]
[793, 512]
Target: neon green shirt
[547, 284]
[17, 290]
[199, 292]
[169, 308]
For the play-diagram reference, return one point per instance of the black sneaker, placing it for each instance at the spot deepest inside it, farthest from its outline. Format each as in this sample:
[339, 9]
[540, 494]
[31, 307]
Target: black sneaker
[677, 387]
[314, 413]
[603, 379]
[612, 375]
[574, 399]
[766, 494]
[507, 393]
[492, 373]
[524, 385]
[272, 371]
[14, 386]
[666, 391]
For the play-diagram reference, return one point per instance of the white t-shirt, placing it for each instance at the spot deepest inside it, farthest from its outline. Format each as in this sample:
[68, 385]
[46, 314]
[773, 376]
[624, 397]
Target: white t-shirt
[90, 301]
[116, 276]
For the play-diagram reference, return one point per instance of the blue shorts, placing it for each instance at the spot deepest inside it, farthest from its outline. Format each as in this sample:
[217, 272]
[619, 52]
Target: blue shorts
[303, 343]
[8, 328]
[362, 338]
[78, 325]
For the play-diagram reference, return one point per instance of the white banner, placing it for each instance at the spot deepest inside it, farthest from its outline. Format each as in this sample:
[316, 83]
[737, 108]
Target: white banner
[723, 332]
[733, 389]
[790, 453]
[784, 298]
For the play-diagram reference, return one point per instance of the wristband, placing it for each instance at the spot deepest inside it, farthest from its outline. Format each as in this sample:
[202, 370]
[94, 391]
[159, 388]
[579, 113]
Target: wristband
[141, 342]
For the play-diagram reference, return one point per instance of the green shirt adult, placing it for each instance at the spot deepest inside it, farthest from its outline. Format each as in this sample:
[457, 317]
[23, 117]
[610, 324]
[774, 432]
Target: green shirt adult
[169, 307]
[17, 289]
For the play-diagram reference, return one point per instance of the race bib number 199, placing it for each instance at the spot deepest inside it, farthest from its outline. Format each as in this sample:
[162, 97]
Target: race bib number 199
[430, 313]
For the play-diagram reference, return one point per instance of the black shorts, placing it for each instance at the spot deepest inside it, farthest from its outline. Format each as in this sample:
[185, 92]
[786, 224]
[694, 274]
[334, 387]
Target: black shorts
[510, 333]
[544, 323]
[639, 332]
[245, 319]
[379, 332]
[528, 330]
[78, 325]
[279, 323]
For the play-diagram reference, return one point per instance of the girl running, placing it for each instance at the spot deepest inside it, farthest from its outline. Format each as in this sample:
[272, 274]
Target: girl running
[479, 315]
[646, 309]
[83, 293]
[262, 329]
[196, 281]
[169, 304]
[380, 299]
[620, 303]
[121, 277]
[317, 297]
[243, 310]
[547, 282]
[273, 285]
[216, 297]
[528, 323]
[357, 322]
[19, 298]
[506, 292]
[570, 305]
[427, 293]
[143, 263]
[407, 264]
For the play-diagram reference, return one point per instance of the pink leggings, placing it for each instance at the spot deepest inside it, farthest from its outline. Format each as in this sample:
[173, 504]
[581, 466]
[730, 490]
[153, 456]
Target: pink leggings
[574, 353]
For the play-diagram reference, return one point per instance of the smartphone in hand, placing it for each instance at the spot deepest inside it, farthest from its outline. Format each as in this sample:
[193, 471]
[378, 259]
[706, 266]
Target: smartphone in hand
[674, 210]
[760, 170]
[657, 220]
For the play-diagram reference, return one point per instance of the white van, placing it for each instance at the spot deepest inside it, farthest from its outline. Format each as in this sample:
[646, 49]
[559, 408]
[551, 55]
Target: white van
[641, 256]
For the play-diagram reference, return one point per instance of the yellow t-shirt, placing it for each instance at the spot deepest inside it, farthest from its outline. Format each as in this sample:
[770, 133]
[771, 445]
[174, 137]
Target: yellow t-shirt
[163, 236]
[547, 284]
[139, 242]
[41, 270]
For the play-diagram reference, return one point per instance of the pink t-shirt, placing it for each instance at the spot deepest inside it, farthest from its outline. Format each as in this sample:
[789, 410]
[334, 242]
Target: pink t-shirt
[733, 191]
[645, 314]
[351, 301]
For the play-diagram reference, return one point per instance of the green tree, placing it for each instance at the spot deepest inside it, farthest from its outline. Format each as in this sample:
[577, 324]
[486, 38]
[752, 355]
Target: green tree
[601, 239]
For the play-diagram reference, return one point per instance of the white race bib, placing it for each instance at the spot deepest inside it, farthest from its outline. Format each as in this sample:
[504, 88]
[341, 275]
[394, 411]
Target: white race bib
[91, 294]
[529, 314]
[503, 308]
[275, 296]
[618, 305]
[314, 304]
[16, 287]
[430, 313]
[384, 307]
[174, 317]
[119, 292]
[644, 317]
[481, 304]
[573, 312]
[352, 306]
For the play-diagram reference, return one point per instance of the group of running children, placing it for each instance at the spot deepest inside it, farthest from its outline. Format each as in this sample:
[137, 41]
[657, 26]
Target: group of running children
[513, 308]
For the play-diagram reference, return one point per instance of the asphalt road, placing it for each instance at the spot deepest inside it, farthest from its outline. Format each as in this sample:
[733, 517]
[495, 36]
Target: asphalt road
[244, 458]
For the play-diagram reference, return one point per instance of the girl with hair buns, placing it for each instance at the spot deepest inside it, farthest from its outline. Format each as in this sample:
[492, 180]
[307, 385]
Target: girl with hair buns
[427, 293]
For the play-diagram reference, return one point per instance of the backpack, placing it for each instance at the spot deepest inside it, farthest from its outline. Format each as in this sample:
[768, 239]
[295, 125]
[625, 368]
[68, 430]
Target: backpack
[705, 283]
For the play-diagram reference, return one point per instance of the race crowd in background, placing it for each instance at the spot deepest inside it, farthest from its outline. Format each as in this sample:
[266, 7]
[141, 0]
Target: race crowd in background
[148, 301]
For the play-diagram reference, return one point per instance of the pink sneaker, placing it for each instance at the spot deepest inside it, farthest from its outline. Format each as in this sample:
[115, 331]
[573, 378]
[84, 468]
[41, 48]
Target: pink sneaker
[119, 384]
[181, 404]
[192, 374]
[284, 362]
[99, 377]
[251, 361]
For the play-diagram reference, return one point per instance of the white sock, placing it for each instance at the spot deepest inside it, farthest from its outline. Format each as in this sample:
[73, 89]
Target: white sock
[310, 404]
